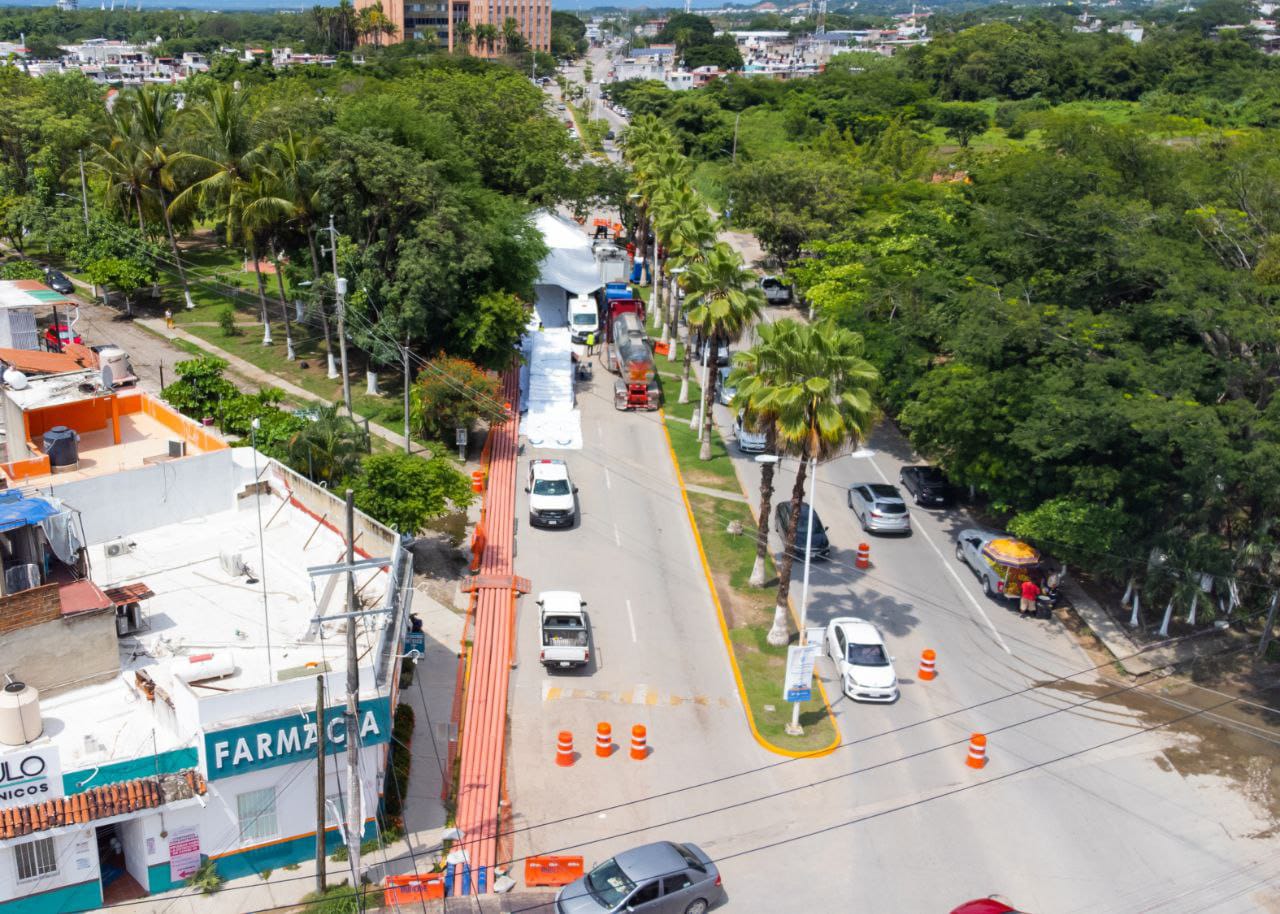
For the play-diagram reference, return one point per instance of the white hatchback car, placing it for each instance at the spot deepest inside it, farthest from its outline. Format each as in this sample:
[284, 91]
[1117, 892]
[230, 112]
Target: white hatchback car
[859, 653]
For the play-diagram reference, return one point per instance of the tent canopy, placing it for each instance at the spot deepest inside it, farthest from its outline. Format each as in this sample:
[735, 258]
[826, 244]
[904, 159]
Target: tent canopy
[570, 263]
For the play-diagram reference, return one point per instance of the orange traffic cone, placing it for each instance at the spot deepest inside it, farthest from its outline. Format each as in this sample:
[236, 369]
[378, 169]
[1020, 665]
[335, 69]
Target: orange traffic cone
[604, 740]
[639, 742]
[927, 670]
[977, 751]
[564, 749]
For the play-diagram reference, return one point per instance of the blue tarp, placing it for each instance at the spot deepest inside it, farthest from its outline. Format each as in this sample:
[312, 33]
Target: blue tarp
[16, 511]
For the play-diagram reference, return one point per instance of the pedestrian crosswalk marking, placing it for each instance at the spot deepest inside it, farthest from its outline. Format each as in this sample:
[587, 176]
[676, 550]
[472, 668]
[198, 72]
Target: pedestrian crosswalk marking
[638, 695]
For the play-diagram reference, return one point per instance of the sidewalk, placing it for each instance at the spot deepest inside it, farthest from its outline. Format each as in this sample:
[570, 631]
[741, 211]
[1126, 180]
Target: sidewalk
[254, 373]
[1131, 656]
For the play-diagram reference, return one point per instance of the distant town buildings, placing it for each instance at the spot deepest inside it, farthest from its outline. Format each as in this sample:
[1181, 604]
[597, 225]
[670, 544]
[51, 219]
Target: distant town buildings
[441, 20]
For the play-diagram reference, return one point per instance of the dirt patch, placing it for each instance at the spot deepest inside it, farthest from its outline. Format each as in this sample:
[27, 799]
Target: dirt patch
[1224, 707]
[439, 566]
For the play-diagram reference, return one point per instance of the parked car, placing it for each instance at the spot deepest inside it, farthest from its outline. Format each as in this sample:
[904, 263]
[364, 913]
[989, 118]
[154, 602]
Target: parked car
[782, 521]
[927, 484]
[776, 292]
[58, 282]
[721, 355]
[725, 391]
[55, 332]
[859, 653]
[660, 878]
[1001, 562]
[608, 135]
[551, 494]
[879, 508]
[749, 442]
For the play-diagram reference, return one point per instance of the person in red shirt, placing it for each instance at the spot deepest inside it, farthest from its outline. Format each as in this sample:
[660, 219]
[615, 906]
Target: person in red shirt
[1030, 591]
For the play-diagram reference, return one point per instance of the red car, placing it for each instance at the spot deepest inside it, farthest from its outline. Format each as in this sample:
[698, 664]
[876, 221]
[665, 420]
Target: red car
[52, 334]
[984, 906]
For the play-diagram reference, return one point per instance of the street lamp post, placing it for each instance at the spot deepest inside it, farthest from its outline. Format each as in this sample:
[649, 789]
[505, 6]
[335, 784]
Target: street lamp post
[794, 728]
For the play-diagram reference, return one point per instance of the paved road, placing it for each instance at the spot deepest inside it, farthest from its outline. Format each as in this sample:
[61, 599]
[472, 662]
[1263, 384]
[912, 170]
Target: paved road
[1081, 808]
[657, 657]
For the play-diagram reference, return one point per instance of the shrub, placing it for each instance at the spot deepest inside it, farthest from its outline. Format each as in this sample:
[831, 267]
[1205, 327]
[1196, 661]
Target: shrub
[21, 269]
[227, 321]
[206, 878]
[404, 492]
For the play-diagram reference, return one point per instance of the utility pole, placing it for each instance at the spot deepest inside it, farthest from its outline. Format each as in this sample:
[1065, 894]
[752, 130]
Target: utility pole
[405, 352]
[320, 786]
[340, 288]
[355, 820]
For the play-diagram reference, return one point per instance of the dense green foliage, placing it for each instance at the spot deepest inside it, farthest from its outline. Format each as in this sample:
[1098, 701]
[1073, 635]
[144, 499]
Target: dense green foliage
[1063, 265]
[405, 492]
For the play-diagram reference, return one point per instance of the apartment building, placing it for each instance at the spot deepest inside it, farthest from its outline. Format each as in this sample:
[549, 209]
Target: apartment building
[439, 19]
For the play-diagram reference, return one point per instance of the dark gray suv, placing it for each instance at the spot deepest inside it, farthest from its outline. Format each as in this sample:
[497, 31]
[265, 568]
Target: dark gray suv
[661, 878]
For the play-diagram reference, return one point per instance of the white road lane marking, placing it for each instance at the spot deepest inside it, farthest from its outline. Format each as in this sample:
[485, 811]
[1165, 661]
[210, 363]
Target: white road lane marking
[916, 529]
[617, 537]
[608, 484]
[632, 620]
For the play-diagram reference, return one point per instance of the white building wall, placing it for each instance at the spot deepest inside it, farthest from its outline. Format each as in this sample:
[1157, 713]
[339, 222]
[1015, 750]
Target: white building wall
[164, 493]
[77, 856]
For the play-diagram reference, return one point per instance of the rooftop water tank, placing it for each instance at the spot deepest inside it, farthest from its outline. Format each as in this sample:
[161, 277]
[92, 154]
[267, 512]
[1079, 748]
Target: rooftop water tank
[20, 721]
[60, 443]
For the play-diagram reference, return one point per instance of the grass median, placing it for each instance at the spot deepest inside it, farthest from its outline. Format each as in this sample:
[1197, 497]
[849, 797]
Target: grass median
[747, 611]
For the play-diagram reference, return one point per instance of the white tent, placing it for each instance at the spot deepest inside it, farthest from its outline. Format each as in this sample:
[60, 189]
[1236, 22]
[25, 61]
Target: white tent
[569, 263]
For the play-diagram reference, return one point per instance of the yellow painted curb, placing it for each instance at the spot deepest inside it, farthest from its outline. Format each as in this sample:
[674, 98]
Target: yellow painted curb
[724, 628]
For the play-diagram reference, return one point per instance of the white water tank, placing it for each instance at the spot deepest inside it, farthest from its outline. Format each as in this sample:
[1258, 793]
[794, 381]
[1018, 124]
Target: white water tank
[208, 665]
[20, 720]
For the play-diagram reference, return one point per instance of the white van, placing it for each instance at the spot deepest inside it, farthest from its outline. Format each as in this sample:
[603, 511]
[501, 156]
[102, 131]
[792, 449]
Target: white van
[584, 317]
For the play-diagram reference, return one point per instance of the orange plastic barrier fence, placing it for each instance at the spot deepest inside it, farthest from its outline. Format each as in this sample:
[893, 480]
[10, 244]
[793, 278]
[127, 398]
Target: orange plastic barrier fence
[661, 347]
[411, 889]
[551, 870]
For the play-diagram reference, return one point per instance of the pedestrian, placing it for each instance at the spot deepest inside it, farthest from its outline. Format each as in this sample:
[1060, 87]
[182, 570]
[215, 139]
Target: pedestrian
[168, 318]
[1030, 590]
[591, 343]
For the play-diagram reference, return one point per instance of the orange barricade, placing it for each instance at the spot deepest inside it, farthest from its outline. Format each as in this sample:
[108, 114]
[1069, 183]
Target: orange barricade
[551, 870]
[564, 749]
[662, 347]
[477, 481]
[411, 889]
[928, 664]
[977, 751]
[863, 557]
[478, 542]
[604, 740]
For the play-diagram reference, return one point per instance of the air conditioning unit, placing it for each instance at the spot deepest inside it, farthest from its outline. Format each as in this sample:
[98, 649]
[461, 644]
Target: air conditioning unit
[233, 563]
[117, 548]
[177, 449]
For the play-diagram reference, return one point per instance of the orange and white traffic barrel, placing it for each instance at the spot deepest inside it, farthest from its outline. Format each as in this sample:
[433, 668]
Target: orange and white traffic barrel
[564, 749]
[639, 742]
[977, 751]
[604, 740]
[928, 667]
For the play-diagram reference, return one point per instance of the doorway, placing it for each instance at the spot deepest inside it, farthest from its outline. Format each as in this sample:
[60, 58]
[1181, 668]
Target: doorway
[117, 884]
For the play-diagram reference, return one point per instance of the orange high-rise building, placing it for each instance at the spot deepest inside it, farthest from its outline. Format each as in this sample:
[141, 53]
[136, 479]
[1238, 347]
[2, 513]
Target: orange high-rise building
[439, 19]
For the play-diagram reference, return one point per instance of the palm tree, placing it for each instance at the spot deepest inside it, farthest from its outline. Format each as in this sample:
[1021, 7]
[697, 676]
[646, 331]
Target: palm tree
[373, 23]
[756, 375]
[463, 32]
[329, 448]
[265, 210]
[487, 35]
[224, 151]
[723, 299]
[294, 162]
[688, 231]
[823, 402]
[153, 114]
[118, 160]
[511, 37]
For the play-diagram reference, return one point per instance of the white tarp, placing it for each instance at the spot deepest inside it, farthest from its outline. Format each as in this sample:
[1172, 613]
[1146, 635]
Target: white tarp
[570, 262]
[552, 421]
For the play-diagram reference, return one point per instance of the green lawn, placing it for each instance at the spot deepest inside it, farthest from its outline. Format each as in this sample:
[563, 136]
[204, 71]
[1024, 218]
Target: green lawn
[716, 473]
[749, 612]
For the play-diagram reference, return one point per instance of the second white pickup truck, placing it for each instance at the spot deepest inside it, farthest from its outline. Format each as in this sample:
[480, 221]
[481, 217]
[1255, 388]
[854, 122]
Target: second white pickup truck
[566, 630]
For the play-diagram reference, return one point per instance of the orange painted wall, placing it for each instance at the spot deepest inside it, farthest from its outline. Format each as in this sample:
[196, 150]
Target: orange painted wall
[82, 416]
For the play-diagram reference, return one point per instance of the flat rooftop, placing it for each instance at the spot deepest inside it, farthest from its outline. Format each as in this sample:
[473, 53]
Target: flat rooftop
[200, 608]
[143, 441]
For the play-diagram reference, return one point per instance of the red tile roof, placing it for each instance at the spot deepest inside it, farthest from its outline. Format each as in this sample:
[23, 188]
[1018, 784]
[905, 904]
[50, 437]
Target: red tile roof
[100, 803]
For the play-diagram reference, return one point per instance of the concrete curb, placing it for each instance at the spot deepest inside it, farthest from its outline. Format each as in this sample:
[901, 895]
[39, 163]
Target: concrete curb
[724, 628]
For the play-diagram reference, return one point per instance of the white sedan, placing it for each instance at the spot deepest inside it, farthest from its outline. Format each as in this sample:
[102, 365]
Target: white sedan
[859, 653]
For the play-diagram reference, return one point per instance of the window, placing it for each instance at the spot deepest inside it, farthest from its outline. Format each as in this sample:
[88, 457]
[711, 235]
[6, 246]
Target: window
[645, 895]
[36, 859]
[673, 884]
[257, 811]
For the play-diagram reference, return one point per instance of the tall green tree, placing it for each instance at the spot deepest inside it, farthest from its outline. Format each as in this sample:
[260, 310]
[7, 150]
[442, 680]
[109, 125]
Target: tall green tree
[723, 299]
[823, 401]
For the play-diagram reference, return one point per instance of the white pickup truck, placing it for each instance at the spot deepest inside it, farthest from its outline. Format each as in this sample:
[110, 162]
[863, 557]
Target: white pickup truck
[566, 630]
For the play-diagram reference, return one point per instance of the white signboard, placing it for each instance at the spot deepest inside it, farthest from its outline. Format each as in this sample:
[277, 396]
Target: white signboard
[30, 775]
[184, 853]
[799, 681]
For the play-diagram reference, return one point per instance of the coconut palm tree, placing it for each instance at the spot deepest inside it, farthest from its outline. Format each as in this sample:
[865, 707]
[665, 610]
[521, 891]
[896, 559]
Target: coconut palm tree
[487, 35]
[688, 232]
[463, 33]
[223, 151]
[117, 159]
[153, 114]
[823, 402]
[756, 375]
[723, 299]
[265, 211]
[372, 23]
[512, 39]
